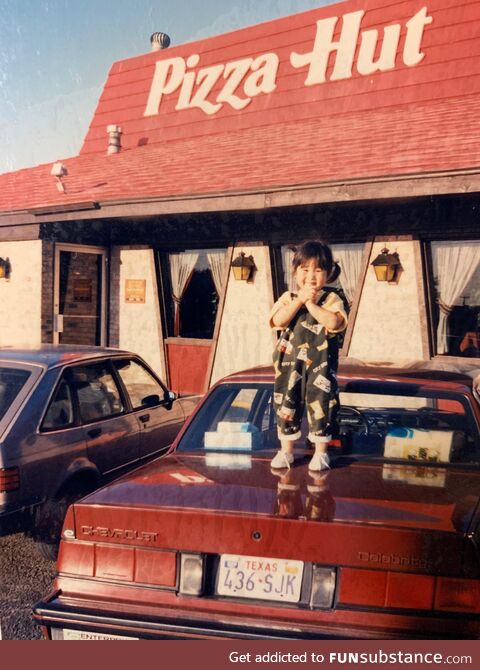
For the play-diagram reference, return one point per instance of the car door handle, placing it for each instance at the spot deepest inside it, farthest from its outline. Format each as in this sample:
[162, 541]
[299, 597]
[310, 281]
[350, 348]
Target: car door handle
[94, 432]
[144, 418]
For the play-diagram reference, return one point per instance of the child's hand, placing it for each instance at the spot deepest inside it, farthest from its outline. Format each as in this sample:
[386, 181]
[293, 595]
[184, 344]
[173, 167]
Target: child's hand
[304, 294]
[307, 293]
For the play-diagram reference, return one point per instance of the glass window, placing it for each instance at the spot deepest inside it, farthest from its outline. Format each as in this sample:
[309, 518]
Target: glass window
[139, 383]
[456, 304]
[80, 296]
[376, 421]
[406, 426]
[97, 392]
[235, 418]
[196, 278]
[11, 383]
[60, 411]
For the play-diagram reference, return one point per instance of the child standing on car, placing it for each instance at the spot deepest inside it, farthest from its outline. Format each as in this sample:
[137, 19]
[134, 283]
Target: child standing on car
[306, 356]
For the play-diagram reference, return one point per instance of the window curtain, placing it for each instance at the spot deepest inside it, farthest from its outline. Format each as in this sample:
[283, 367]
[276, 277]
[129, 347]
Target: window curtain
[181, 268]
[217, 262]
[287, 258]
[349, 257]
[454, 264]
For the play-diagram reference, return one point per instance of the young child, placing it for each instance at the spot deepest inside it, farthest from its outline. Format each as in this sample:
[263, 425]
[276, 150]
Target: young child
[306, 356]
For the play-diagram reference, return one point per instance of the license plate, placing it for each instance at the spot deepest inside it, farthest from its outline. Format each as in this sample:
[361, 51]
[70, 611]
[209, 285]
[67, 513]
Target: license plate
[87, 635]
[263, 578]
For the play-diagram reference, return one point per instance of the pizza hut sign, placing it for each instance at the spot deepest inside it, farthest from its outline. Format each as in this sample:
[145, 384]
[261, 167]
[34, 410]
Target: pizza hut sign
[247, 78]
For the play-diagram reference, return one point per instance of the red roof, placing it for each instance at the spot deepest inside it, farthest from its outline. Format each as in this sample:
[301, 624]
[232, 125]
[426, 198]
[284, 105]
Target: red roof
[408, 119]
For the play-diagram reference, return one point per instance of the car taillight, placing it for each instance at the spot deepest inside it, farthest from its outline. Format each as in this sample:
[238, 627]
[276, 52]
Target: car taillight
[378, 588]
[9, 479]
[401, 590]
[191, 574]
[155, 567]
[457, 595]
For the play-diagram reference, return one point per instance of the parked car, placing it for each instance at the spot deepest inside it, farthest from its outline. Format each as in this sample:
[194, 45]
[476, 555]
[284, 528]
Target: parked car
[69, 418]
[209, 542]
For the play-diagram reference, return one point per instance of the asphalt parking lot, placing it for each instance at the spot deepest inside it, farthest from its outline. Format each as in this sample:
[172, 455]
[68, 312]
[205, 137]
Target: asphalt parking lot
[25, 578]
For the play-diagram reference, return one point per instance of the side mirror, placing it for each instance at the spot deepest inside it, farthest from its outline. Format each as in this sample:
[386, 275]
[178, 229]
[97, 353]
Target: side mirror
[168, 399]
[151, 400]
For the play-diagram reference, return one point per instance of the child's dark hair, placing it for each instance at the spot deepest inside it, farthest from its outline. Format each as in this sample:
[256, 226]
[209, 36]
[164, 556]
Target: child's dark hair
[320, 253]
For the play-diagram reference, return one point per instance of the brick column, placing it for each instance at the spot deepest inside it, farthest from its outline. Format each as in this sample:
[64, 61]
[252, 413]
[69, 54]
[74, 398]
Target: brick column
[48, 256]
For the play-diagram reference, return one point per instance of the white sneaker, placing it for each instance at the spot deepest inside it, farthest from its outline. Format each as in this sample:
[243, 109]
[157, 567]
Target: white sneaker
[319, 462]
[282, 459]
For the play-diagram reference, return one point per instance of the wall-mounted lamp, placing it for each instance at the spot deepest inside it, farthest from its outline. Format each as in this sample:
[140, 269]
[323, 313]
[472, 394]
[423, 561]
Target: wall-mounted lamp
[243, 266]
[387, 266]
[5, 269]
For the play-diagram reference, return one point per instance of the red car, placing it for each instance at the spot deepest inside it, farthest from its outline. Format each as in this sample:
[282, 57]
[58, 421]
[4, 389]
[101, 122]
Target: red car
[209, 542]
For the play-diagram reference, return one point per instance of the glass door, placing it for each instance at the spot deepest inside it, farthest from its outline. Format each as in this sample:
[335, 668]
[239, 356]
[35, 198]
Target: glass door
[79, 306]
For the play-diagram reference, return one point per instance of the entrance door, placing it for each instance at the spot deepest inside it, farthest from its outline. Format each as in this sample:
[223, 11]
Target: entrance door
[79, 308]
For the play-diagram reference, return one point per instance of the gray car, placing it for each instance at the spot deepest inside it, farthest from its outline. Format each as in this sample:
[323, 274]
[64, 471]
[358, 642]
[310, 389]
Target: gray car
[70, 419]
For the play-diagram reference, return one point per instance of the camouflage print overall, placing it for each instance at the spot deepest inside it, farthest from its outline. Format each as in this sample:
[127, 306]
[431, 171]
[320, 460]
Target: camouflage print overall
[305, 362]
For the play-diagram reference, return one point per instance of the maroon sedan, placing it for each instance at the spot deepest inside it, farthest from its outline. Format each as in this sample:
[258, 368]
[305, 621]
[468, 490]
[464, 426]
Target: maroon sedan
[209, 542]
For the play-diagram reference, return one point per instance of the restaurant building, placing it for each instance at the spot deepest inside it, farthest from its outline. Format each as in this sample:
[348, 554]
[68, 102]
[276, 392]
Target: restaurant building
[357, 123]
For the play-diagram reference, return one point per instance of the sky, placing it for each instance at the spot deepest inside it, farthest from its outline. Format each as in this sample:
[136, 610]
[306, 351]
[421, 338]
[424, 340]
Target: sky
[55, 56]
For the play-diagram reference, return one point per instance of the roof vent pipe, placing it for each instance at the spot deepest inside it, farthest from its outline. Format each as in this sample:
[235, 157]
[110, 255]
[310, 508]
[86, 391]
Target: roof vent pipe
[58, 171]
[159, 41]
[114, 137]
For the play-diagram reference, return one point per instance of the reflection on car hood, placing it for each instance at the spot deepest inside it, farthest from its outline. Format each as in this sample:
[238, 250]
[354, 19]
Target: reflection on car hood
[389, 495]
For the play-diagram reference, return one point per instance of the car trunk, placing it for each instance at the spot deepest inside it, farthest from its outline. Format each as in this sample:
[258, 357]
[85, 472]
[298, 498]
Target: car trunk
[392, 560]
[409, 520]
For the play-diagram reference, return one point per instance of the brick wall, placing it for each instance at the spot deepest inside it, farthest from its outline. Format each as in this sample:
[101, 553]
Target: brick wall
[113, 339]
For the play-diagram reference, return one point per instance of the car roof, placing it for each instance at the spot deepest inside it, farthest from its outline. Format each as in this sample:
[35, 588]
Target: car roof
[52, 355]
[432, 372]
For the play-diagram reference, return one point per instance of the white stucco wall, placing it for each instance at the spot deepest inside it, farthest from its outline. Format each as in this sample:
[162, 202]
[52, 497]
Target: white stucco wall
[245, 339]
[139, 324]
[390, 317]
[21, 296]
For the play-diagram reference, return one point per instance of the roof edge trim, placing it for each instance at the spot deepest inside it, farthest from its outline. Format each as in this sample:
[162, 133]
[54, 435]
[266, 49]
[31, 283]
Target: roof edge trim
[374, 188]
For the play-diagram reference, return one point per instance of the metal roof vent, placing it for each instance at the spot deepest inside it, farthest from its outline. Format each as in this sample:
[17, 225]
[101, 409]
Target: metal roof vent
[159, 41]
[114, 139]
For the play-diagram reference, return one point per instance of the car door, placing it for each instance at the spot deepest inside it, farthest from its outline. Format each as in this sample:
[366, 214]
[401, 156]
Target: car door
[46, 456]
[111, 431]
[160, 417]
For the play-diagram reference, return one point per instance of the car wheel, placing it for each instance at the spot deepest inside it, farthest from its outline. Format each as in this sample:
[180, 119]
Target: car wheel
[47, 551]
[48, 527]
[50, 517]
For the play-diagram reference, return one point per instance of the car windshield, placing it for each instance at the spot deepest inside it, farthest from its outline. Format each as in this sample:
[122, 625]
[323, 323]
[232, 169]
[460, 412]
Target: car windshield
[12, 380]
[398, 422]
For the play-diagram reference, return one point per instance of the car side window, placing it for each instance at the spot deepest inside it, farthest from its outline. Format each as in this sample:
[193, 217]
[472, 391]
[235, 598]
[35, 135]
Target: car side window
[98, 394]
[140, 384]
[60, 411]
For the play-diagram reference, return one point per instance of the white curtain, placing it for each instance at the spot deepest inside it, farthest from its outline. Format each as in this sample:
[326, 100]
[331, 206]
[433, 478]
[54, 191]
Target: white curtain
[454, 264]
[288, 278]
[217, 262]
[181, 267]
[349, 257]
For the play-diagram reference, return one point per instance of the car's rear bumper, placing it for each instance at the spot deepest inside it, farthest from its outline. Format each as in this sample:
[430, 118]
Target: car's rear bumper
[57, 614]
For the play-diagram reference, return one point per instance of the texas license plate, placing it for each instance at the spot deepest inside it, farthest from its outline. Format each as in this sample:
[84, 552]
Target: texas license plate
[263, 578]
